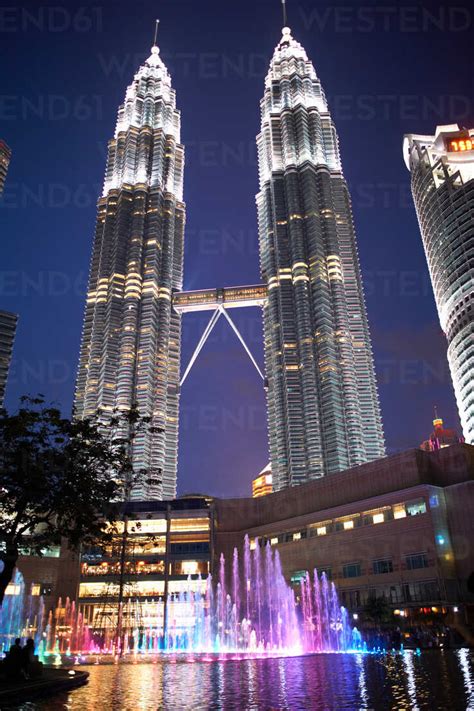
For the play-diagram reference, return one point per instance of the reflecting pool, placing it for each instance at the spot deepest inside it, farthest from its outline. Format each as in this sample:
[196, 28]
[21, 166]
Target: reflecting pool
[431, 680]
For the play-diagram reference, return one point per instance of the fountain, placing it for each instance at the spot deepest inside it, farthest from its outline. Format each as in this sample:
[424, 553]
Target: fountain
[21, 615]
[251, 611]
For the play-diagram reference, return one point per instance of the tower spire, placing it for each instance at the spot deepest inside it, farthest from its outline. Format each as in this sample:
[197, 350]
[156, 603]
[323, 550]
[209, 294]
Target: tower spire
[157, 22]
[285, 19]
[437, 422]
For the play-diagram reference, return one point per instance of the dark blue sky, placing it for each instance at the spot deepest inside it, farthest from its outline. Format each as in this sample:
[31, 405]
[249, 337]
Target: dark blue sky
[386, 71]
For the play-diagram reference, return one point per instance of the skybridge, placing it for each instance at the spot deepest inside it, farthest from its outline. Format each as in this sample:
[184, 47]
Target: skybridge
[229, 297]
[219, 301]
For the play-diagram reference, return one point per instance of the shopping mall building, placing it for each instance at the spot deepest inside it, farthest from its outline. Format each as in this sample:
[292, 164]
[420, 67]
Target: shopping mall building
[399, 528]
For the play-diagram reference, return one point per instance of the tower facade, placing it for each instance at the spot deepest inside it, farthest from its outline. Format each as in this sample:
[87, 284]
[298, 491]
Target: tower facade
[5, 156]
[442, 181]
[8, 323]
[323, 408]
[130, 349]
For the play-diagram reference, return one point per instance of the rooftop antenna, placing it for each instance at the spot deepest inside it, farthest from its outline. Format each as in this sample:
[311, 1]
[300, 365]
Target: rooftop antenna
[157, 22]
[285, 19]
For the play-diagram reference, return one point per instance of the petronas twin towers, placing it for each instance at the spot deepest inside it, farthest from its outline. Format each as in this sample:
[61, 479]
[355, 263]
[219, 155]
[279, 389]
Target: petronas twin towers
[323, 409]
[130, 352]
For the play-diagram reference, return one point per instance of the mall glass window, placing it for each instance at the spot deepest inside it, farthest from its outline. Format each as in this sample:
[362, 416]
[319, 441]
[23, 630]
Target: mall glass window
[186, 548]
[382, 566]
[392, 593]
[351, 570]
[415, 561]
[421, 592]
[351, 599]
[413, 508]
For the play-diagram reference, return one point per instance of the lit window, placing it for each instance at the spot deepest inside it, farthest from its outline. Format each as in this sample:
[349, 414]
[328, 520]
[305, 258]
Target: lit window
[378, 518]
[321, 531]
[399, 511]
[348, 525]
[273, 541]
[418, 506]
[189, 524]
[177, 586]
[189, 567]
[297, 536]
[142, 526]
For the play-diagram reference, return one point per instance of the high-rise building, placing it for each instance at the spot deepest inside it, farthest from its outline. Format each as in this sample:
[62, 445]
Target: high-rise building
[440, 437]
[442, 181]
[8, 323]
[262, 484]
[323, 406]
[131, 337]
[5, 155]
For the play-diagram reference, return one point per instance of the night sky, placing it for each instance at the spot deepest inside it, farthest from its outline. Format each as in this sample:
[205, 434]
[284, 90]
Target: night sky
[386, 71]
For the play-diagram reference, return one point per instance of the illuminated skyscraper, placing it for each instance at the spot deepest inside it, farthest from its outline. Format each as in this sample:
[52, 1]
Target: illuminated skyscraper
[442, 181]
[131, 337]
[323, 406]
[8, 321]
[8, 324]
[5, 155]
[262, 484]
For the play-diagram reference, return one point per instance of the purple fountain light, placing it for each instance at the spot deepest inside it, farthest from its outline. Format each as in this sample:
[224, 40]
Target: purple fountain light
[249, 611]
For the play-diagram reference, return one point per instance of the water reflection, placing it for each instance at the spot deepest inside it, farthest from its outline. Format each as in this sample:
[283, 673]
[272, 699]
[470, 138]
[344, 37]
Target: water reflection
[362, 681]
[432, 680]
[410, 676]
[466, 667]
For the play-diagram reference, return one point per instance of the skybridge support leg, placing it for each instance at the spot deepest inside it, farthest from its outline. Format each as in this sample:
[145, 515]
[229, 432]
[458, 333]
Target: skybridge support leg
[240, 337]
[207, 331]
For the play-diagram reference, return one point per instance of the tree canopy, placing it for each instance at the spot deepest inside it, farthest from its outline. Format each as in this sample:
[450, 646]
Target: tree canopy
[378, 610]
[60, 478]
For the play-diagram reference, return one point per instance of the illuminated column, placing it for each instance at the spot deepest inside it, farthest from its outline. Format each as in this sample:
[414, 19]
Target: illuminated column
[131, 338]
[323, 408]
[442, 181]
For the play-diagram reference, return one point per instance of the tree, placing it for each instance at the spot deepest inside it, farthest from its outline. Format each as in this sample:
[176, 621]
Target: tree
[377, 610]
[61, 479]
